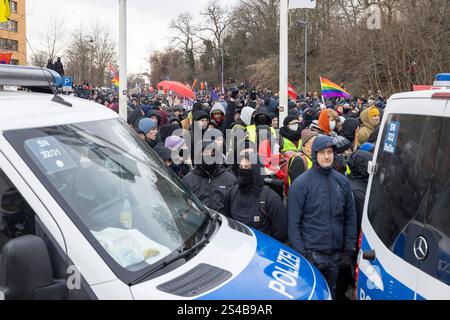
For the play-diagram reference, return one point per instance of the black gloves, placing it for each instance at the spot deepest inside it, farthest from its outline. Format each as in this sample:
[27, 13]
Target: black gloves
[347, 258]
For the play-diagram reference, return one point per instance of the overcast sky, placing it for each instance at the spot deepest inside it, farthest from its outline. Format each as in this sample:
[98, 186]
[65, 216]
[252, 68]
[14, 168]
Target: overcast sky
[148, 21]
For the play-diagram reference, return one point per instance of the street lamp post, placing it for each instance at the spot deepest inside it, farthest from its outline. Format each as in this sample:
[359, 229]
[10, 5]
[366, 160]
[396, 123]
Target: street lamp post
[305, 23]
[284, 55]
[222, 73]
[123, 100]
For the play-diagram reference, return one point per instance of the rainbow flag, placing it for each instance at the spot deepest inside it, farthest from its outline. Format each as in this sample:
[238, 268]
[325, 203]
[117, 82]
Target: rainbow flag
[332, 90]
[114, 76]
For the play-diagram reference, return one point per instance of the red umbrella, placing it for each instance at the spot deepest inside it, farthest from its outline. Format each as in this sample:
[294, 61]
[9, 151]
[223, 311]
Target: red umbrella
[179, 88]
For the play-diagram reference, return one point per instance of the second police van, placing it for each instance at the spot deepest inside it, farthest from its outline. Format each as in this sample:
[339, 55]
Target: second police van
[405, 243]
[88, 211]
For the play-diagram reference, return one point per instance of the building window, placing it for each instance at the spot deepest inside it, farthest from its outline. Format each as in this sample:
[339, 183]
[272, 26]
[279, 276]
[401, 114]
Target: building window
[9, 45]
[14, 62]
[13, 6]
[10, 25]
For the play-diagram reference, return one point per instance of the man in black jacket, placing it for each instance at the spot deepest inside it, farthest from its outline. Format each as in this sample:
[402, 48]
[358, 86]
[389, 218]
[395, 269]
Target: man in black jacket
[322, 215]
[254, 204]
[210, 181]
[359, 178]
[59, 67]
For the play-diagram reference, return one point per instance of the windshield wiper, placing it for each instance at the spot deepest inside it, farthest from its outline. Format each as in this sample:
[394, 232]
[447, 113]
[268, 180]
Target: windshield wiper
[183, 254]
[212, 223]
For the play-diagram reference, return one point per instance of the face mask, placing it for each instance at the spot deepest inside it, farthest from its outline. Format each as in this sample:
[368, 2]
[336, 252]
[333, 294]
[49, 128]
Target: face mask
[332, 125]
[293, 127]
[210, 168]
[245, 178]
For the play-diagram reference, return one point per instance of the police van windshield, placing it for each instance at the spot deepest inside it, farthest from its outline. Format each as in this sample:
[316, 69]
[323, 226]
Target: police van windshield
[115, 189]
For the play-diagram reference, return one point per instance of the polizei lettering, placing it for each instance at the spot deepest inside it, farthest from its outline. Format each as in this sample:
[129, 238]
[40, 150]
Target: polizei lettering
[285, 274]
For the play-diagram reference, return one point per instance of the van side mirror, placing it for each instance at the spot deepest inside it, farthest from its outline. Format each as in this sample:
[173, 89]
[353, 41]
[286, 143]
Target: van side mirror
[26, 271]
[10, 202]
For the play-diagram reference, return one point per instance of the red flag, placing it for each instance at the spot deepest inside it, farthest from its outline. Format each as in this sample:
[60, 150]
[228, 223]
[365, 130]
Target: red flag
[292, 92]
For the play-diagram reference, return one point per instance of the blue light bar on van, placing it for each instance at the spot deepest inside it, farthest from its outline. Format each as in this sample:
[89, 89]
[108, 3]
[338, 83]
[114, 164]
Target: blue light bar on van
[442, 80]
[443, 77]
[11, 75]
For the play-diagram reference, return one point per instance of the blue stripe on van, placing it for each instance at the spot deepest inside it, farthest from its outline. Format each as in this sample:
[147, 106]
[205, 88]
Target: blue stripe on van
[274, 274]
[393, 288]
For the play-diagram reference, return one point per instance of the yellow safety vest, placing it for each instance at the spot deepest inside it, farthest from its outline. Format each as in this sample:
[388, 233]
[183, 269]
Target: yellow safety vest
[251, 133]
[310, 165]
[288, 145]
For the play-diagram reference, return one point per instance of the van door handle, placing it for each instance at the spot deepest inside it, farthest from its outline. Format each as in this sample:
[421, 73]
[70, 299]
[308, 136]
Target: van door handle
[370, 255]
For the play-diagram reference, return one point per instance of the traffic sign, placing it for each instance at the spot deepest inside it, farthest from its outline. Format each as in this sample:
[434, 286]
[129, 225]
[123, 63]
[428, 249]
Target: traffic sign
[67, 84]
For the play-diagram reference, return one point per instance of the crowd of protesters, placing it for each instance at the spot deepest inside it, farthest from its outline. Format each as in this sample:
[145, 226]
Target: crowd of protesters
[302, 181]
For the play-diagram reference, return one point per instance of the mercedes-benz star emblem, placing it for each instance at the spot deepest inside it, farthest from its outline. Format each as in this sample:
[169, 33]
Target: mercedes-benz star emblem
[421, 248]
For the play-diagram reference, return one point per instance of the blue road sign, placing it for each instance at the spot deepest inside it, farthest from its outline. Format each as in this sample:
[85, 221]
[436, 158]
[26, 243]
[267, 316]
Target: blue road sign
[67, 83]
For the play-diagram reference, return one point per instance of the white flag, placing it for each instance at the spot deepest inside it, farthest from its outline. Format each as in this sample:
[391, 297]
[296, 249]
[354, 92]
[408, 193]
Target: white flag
[296, 4]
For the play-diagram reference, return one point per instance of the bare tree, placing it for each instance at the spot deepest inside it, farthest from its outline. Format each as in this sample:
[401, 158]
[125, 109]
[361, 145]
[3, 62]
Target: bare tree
[184, 39]
[89, 53]
[103, 51]
[39, 59]
[167, 65]
[216, 24]
[412, 45]
[53, 38]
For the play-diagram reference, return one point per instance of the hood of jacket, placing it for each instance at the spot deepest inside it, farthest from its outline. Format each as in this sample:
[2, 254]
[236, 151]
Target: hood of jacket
[366, 120]
[263, 111]
[321, 143]
[172, 119]
[324, 121]
[133, 116]
[167, 131]
[246, 115]
[154, 113]
[217, 107]
[349, 129]
[358, 164]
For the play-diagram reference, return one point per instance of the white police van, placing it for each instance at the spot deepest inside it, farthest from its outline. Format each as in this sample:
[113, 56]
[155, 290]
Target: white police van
[89, 212]
[405, 253]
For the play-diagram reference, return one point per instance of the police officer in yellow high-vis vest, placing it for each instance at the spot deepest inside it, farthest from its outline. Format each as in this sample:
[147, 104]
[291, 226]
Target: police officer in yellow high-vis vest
[263, 119]
[291, 134]
[302, 162]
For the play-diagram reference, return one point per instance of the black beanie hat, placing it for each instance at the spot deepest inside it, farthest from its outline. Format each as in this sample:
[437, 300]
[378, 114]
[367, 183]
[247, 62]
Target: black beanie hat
[289, 119]
[198, 115]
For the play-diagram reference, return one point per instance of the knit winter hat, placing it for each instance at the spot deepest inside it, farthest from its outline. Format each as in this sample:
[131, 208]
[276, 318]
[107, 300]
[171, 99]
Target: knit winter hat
[198, 115]
[174, 142]
[289, 119]
[307, 135]
[368, 147]
[342, 144]
[374, 113]
[145, 125]
[164, 153]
